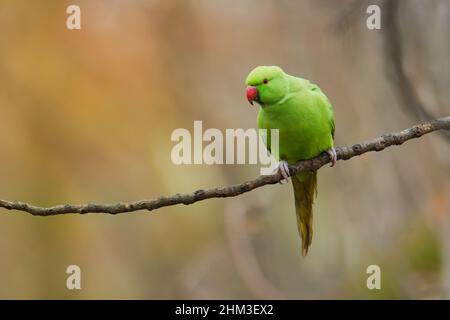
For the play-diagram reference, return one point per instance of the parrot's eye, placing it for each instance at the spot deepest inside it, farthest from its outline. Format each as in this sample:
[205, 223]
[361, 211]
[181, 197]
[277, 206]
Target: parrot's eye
[265, 81]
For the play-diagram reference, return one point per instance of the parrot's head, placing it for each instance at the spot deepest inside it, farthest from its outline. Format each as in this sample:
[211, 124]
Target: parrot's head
[266, 85]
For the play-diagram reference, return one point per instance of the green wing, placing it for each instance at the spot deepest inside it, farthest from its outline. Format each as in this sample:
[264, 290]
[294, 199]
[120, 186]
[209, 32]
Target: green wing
[329, 108]
[261, 126]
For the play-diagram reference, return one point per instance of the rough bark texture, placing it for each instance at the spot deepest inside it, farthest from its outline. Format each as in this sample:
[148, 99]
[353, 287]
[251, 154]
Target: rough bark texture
[343, 153]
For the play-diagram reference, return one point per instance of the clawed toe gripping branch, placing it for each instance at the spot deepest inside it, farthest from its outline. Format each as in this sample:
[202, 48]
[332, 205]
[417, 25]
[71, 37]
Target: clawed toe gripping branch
[343, 153]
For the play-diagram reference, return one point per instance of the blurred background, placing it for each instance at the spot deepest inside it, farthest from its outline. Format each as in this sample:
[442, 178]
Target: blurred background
[87, 117]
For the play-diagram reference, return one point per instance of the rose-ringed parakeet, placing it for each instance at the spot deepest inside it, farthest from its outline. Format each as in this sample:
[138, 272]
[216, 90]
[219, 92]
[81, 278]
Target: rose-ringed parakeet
[305, 119]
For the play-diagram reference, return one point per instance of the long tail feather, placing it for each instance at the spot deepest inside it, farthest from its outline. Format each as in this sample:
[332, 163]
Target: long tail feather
[305, 190]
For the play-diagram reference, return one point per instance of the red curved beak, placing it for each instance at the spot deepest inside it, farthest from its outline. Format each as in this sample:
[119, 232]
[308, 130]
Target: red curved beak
[252, 93]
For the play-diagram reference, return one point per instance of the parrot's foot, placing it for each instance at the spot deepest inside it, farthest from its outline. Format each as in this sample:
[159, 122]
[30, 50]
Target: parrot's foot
[283, 167]
[333, 156]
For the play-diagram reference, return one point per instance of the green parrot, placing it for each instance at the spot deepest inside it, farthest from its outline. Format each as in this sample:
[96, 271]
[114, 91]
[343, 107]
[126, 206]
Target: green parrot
[305, 119]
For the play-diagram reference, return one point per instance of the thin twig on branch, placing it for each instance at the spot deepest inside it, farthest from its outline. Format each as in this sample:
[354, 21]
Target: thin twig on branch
[343, 153]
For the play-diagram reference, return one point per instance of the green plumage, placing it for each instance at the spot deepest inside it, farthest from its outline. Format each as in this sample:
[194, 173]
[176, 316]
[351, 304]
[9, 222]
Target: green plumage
[305, 119]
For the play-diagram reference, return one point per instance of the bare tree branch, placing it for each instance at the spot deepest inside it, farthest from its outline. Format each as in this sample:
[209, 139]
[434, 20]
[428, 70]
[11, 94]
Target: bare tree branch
[343, 153]
[393, 51]
[392, 42]
[394, 64]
